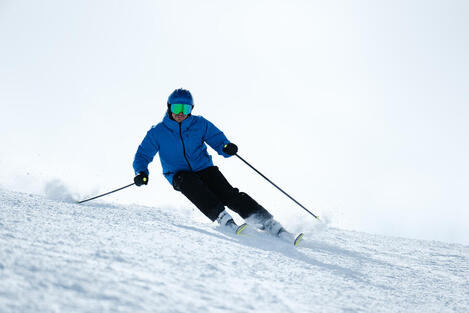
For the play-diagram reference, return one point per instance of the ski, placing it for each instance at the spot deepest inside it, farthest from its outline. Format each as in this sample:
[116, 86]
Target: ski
[291, 238]
[283, 235]
[298, 239]
[241, 228]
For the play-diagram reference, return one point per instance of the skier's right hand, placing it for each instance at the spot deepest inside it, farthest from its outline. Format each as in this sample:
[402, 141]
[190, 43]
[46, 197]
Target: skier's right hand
[141, 179]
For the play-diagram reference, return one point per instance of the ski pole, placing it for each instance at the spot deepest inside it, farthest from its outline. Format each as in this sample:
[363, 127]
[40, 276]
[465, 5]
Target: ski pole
[104, 194]
[277, 187]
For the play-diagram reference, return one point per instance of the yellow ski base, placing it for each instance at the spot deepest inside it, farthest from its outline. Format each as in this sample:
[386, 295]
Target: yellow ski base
[298, 239]
[240, 229]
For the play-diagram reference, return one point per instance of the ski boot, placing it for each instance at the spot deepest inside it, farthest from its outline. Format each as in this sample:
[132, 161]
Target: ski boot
[225, 219]
[274, 228]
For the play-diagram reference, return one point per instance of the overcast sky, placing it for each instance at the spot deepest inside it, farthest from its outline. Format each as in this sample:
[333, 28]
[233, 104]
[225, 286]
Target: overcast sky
[358, 109]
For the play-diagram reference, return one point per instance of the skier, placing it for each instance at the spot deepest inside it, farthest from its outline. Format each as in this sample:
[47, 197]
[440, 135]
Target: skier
[180, 140]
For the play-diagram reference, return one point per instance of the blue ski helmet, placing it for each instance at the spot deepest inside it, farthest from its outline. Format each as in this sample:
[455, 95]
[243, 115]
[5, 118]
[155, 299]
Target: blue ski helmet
[182, 96]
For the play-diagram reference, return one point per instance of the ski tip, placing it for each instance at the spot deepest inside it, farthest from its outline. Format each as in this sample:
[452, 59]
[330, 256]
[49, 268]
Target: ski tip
[240, 229]
[298, 239]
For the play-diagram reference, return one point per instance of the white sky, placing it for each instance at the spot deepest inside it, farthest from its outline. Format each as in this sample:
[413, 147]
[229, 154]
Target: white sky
[358, 109]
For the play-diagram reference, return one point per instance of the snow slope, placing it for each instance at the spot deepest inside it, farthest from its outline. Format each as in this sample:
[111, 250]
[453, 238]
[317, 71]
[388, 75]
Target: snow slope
[63, 257]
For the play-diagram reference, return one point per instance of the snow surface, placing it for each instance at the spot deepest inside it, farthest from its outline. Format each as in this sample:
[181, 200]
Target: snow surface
[57, 256]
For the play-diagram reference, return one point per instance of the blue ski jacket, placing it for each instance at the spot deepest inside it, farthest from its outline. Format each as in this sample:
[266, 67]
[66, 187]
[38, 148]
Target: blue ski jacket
[181, 146]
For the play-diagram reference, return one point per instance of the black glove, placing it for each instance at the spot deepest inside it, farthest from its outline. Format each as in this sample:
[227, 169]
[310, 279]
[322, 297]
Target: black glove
[141, 179]
[230, 149]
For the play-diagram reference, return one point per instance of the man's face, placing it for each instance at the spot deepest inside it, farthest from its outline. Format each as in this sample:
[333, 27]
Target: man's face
[179, 117]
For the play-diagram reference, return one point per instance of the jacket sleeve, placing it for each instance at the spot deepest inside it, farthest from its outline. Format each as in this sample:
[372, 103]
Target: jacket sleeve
[215, 138]
[146, 152]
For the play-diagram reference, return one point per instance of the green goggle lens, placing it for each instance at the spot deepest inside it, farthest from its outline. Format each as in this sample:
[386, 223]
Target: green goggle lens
[177, 108]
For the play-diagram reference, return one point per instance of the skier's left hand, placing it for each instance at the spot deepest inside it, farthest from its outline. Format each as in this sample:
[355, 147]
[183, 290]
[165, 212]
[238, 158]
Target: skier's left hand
[141, 179]
[230, 149]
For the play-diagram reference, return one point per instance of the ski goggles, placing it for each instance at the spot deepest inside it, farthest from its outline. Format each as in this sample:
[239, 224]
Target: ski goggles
[177, 108]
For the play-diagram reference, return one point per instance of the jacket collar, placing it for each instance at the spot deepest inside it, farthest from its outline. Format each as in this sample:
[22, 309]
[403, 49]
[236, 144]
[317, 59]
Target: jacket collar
[173, 125]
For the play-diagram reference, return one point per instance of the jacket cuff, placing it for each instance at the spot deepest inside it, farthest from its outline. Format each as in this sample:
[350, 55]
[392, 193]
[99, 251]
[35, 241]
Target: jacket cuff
[142, 171]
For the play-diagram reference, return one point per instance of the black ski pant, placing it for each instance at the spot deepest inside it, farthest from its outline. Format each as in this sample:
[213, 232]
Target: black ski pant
[210, 192]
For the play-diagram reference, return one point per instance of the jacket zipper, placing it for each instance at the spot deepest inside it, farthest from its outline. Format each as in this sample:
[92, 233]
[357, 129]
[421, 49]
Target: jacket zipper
[184, 147]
